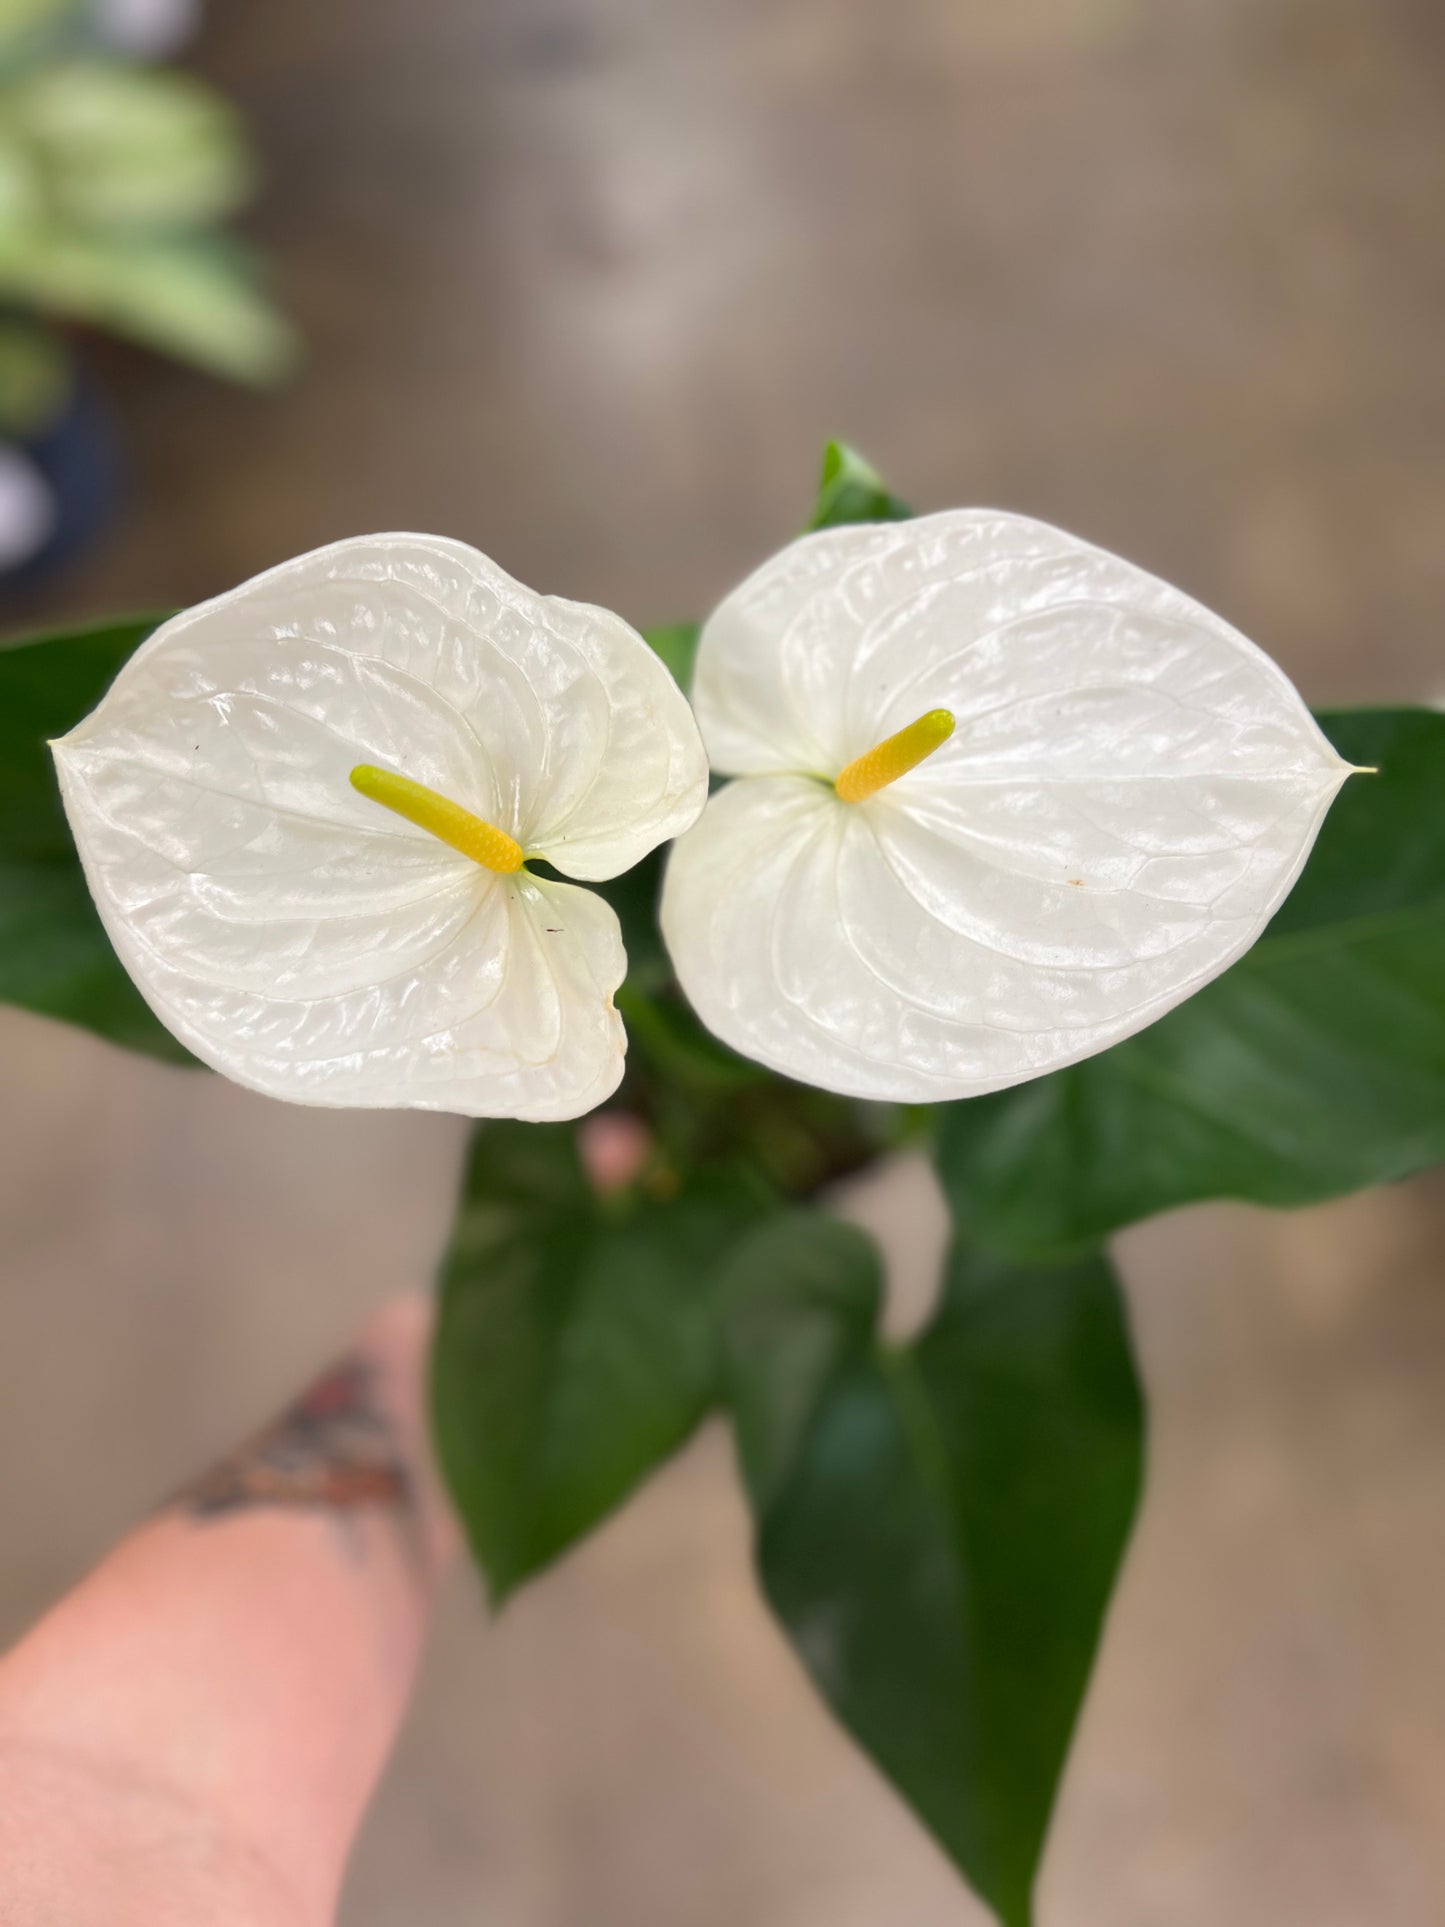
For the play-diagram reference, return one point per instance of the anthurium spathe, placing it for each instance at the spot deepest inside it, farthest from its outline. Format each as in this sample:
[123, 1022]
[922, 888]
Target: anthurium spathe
[1001, 799]
[306, 809]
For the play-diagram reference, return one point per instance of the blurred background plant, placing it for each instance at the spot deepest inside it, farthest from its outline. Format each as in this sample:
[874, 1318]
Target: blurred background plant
[115, 177]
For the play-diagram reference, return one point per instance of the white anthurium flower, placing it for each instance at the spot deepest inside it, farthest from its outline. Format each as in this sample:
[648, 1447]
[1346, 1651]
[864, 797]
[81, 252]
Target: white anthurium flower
[305, 808]
[1001, 799]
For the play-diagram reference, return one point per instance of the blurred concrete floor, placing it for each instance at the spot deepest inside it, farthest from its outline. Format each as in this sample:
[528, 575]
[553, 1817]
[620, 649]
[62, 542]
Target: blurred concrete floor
[588, 284]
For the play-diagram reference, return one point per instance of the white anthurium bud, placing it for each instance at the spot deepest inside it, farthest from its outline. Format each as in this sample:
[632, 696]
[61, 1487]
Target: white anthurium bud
[305, 809]
[1001, 799]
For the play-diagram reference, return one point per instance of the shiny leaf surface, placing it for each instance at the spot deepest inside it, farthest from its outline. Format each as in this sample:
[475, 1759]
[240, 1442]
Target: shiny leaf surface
[939, 1529]
[576, 1344]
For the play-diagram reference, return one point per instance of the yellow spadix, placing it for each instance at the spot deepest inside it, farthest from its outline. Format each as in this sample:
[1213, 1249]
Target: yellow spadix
[894, 756]
[483, 842]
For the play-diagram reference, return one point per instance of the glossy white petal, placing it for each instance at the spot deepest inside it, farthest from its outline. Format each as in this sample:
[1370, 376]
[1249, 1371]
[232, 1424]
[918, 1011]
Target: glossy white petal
[308, 942]
[1130, 792]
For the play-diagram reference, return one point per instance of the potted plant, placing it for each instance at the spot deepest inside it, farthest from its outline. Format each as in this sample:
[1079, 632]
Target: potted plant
[115, 178]
[1012, 853]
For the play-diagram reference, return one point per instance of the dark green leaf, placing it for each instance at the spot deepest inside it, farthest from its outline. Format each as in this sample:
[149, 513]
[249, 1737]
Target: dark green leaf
[665, 1034]
[634, 895]
[1312, 1068]
[55, 957]
[576, 1346]
[799, 1300]
[851, 490]
[939, 1529]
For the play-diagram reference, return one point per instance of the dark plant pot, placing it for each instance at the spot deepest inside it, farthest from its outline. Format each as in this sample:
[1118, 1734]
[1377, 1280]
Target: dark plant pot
[77, 462]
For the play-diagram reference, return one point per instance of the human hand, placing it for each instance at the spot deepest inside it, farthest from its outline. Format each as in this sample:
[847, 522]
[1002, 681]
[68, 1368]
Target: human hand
[193, 1734]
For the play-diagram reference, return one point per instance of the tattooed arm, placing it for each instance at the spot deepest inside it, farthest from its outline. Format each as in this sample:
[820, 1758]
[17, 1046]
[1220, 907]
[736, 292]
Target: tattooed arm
[192, 1735]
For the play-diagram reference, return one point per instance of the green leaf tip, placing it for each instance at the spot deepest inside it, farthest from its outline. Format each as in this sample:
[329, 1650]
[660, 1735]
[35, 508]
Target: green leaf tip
[938, 1528]
[850, 489]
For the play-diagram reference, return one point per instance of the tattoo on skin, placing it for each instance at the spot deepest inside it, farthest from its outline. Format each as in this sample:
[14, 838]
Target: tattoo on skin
[334, 1451]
